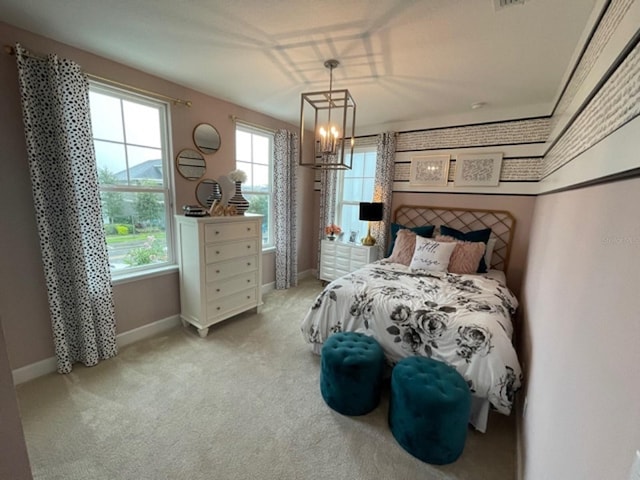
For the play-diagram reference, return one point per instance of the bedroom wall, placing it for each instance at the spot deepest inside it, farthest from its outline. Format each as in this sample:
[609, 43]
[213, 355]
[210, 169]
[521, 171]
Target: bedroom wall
[23, 302]
[581, 398]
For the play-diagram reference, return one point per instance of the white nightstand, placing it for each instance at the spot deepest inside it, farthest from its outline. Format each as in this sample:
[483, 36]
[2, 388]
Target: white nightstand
[338, 258]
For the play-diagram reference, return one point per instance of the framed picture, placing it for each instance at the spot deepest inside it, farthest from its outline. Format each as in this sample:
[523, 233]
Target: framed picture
[478, 169]
[353, 237]
[430, 170]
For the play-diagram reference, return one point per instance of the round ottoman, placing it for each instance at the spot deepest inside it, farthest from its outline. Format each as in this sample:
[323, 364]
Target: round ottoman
[351, 373]
[429, 409]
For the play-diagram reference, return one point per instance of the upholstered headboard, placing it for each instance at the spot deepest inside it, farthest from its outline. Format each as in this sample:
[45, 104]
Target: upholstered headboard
[501, 223]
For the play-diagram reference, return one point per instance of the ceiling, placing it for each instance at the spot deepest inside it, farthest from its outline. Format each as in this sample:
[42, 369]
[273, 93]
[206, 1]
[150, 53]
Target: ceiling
[407, 63]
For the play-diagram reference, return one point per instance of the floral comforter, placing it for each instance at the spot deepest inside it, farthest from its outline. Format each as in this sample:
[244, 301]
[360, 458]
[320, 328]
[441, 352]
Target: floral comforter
[462, 320]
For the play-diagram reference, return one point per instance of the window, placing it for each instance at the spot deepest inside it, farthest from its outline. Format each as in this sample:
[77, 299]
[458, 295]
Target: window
[355, 186]
[130, 139]
[254, 156]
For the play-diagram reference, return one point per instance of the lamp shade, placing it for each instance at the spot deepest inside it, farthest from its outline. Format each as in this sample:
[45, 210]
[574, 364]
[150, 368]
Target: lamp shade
[371, 211]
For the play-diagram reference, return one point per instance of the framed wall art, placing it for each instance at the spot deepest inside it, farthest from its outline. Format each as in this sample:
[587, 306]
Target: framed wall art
[429, 170]
[478, 169]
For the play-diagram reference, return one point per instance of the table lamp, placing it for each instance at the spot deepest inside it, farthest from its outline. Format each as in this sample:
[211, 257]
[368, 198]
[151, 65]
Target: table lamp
[370, 212]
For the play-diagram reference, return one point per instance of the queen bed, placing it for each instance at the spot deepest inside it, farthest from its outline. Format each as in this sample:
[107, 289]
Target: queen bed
[462, 319]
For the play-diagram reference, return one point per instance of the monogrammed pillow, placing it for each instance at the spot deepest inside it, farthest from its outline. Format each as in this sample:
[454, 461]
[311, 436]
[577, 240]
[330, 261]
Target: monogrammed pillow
[431, 255]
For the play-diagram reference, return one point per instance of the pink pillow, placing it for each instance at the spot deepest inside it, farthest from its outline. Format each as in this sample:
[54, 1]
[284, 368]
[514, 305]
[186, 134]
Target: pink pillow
[404, 247]
[465, 256]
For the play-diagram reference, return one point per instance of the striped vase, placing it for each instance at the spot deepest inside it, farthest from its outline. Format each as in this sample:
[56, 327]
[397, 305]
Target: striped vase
[241, 203]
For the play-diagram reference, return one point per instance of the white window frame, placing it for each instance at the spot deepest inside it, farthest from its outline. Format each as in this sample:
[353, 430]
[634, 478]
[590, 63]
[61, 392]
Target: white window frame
[270, 135]
[149, 270]
[340, 190]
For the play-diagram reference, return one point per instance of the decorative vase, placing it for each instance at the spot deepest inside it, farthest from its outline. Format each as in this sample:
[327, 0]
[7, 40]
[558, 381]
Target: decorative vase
[241, 203]
[216, 194]
[331, 237]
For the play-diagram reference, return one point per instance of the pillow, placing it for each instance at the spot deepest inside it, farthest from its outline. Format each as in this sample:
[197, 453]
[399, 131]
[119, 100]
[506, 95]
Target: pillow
[465, 256]
[404, 247]
[431, 255]
[424, 231]
[474, 236]
[488, 253]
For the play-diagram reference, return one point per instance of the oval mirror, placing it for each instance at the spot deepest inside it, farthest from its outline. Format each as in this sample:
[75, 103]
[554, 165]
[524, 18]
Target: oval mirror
[190, 164]
[206, 138]
[207, 191]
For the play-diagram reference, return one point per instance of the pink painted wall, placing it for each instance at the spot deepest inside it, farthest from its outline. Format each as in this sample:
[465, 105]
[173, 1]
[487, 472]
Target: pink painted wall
[23, 302]
[582, 334]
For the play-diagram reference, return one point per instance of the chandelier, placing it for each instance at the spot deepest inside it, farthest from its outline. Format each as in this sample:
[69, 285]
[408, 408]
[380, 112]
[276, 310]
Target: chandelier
[332, 113]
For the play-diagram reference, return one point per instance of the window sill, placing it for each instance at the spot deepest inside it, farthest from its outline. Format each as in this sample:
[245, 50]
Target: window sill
[136, 276]
[268, 249]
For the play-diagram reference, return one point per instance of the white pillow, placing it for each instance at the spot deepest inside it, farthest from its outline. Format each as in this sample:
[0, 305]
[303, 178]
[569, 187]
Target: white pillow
[431, 255]
[488, 252]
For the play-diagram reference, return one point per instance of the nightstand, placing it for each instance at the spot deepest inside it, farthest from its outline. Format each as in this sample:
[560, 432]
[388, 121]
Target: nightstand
[339, 258]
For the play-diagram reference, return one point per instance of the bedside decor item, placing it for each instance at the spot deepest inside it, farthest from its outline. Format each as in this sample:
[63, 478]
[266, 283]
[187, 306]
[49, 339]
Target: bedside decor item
[334, 136]
[370, 212]
[478, 169]
[332, 230]
[238, 201]
[206, 138]
[207, 192]
[429, 170]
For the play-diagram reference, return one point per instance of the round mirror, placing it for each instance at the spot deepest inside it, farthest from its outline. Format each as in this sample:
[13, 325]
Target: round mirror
[190, 164]
[207, 191]
[206, 138]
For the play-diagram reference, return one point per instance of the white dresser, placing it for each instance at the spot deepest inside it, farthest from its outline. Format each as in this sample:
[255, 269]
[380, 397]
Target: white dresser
[220, 268]
[338, 258]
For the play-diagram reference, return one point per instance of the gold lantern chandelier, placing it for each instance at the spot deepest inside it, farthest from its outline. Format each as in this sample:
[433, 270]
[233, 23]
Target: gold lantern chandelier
[332, 113]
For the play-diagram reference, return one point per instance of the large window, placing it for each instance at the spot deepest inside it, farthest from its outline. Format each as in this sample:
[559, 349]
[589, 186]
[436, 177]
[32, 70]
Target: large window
[130, 139]
[254, 156]
[355, 186]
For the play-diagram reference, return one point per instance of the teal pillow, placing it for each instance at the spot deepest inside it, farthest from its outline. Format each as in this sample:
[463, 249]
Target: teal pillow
[425, 231]
[474, 236]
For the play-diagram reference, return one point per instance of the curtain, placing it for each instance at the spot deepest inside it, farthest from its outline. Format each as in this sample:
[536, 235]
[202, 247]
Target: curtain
[64, 179]
[383, 188]
[328, 185]
[285, 167]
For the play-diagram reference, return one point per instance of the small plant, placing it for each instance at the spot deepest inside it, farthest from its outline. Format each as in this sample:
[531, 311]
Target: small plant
[152, 251]
[122, 230]
[332, 229]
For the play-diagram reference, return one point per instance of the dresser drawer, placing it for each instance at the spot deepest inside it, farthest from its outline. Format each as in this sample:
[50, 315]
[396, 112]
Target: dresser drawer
[360, 255]
[237, 302]
[222, 232]
[231, 285]
[343, 252]
[224, 251]
[223, 270]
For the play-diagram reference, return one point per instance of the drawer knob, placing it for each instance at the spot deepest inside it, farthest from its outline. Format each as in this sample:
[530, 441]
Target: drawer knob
[248, 264]
[248, 280]
[248, 246]
[217, 308]
[248, 297]
[248, 229]
[217, 271]
[217, 252]
[217, 232]
[217, 289]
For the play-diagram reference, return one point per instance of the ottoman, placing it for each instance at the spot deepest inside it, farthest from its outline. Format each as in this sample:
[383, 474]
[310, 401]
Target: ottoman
[429, 409]
[351, 373]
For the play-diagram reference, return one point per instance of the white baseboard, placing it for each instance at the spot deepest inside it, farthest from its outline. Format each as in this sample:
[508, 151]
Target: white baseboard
[270, 287]
[49, 365]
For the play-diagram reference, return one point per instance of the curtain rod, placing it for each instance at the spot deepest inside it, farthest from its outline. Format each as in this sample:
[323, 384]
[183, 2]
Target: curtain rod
[10, 50]
[250, 124]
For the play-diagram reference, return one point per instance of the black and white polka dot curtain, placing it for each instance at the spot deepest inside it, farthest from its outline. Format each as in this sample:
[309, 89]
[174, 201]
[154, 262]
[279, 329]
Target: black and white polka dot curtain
[55, 104]
[383, 187]
[285, 163]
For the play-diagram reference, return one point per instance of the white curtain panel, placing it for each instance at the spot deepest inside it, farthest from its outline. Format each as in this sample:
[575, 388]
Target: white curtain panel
[285, 168]
[328, 184]
[57, 121]
[383, 187]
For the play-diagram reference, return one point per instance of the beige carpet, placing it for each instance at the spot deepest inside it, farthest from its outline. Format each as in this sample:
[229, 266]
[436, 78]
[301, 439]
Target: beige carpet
[244, 403]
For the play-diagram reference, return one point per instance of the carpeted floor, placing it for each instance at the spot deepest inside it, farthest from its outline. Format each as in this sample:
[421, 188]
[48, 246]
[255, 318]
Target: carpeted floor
[244, 403]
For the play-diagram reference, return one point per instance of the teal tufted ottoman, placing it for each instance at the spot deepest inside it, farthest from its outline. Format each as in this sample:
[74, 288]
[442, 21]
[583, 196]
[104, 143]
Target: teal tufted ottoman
[429, 409]
[351, 373]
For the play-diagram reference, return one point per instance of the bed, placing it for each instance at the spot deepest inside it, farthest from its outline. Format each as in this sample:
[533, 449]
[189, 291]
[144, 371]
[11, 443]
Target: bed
[464, 320]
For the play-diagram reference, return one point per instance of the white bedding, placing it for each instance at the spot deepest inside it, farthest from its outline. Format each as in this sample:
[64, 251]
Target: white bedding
[462, 320]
